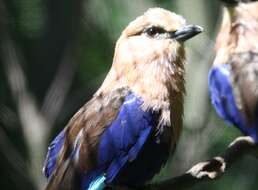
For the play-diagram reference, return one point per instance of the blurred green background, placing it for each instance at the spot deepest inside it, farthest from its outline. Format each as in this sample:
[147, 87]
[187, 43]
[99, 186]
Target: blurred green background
[55, 53]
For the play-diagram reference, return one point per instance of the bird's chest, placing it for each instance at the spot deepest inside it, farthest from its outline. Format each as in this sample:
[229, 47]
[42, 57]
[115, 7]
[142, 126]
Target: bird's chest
[224, 100]
[148, 162]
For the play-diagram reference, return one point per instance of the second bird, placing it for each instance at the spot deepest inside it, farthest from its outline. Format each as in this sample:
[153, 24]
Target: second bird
[125, 133]
[233, 79]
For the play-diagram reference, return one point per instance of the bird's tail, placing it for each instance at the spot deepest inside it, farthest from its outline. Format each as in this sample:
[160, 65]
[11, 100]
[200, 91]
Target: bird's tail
[98, 183]
[65, 177]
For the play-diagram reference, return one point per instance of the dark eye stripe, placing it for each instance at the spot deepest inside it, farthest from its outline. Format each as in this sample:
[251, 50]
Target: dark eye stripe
[154, 30]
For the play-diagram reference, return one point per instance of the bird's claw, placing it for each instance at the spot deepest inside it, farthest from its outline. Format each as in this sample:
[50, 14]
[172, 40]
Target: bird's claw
[211, 168]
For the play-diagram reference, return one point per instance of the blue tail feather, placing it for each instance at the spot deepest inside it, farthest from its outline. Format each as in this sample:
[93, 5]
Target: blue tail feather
[98, 183]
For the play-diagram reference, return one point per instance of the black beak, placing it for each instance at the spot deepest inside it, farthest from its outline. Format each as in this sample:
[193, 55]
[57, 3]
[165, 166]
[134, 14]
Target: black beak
[186, 32]
[231, 2]
[235, 2]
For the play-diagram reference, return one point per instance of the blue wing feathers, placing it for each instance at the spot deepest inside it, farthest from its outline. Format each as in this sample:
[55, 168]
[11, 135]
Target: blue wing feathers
[52, 154]
[222, 98]
[127, 152]
[133, 145]
[125, 137]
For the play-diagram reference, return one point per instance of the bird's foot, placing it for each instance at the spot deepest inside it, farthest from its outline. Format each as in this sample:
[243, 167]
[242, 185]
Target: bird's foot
[211, 168]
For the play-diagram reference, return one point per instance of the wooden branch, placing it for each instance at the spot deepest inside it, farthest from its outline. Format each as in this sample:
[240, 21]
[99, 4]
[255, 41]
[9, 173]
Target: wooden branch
[239, 147]
[185, 181]
[211, 169]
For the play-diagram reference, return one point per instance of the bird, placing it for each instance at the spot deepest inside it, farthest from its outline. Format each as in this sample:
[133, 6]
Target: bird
[233, 77]
[124, 135]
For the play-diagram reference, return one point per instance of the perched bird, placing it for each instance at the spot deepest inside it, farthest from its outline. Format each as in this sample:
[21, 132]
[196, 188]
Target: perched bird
[125, 133]
[233, 78]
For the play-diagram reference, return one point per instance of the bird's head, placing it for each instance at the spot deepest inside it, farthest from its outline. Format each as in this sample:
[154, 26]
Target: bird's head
[239, 22]
[240, 9]
[149, 59]
[150, 50]
[157, 25]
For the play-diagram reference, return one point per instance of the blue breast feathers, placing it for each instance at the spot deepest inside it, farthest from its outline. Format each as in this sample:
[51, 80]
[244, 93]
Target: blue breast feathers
[222, 98]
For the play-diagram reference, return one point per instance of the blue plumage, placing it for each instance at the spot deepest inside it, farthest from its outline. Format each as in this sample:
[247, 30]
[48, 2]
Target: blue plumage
[98, 183]
[222, 98]
[52, 154]
[129, 151]
[131, 141]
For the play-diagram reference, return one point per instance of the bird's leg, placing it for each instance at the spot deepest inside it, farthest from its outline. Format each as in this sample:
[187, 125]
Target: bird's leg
[216, 167]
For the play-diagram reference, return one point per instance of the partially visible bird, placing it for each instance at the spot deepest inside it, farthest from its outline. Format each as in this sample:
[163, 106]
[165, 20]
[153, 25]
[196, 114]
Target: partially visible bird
[125, 133]
[233, 78]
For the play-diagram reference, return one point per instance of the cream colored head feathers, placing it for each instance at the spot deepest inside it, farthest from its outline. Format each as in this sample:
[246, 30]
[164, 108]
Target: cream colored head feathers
[154, 17]
[150, 54]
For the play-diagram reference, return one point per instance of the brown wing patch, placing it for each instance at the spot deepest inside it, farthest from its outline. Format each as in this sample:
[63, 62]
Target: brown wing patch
[93, 118]
[83, 131]
[245, 83]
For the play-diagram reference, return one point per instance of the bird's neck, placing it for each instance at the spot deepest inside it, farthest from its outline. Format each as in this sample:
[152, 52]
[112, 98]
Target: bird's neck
[159, 83]
[238, 25]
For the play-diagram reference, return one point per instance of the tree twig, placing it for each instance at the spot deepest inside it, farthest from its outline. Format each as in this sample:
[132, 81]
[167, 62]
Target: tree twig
[211, 169]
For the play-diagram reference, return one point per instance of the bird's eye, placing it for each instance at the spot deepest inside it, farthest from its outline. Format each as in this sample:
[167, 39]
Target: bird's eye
[154, 30]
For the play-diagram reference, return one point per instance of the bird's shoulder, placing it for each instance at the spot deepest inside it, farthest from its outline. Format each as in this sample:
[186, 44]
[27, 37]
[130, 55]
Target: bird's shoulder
[92, 117]
[117, 112]
[98, 112]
